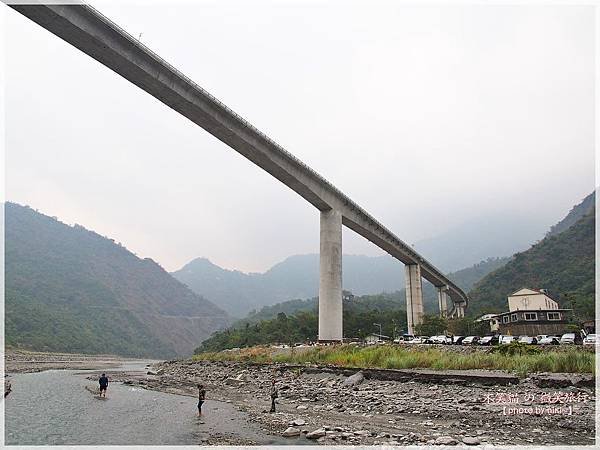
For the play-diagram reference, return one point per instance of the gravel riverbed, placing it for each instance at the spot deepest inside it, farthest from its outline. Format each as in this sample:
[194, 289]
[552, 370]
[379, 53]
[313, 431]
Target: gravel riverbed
[329, 408]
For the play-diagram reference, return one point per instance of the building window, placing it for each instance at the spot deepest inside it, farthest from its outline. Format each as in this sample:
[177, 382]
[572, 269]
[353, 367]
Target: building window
[553, 316]
[505, 319]
[513, 317]
[530, 316]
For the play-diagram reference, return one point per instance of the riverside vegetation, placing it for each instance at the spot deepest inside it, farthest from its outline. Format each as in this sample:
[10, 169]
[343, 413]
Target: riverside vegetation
[514, 357]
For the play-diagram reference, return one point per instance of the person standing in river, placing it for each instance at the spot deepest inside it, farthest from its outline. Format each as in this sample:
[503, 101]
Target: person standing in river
[201, 396]
[103, 380]
[274, 395]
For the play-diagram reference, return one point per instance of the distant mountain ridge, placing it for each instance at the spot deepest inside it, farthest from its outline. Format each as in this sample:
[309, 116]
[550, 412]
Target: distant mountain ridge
[70, 289]
[394, 300]
[493, 236]
[295, 277]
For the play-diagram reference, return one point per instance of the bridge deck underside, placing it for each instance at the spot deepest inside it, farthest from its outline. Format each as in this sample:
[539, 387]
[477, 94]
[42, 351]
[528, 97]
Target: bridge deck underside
[95, 35]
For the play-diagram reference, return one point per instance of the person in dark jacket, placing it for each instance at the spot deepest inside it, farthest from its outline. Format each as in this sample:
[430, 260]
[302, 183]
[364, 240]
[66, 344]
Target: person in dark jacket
[103, 385]
[201, 396]
[274, 395]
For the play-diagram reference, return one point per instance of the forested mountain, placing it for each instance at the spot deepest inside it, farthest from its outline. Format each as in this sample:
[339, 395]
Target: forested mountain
[300, 324]
[467, 277]
[577, 212]
[563, 263]
[297, 277]
[70, 289]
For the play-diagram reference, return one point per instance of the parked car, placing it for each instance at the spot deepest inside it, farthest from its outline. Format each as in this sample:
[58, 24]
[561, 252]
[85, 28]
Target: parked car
[571, 338]
[528, 340]
[470, 340]
[507, 339]
[457, 340]
[407, 337]
[441, 339]
[489, 340]
[547, 340]
[590, 339]
[419, 340]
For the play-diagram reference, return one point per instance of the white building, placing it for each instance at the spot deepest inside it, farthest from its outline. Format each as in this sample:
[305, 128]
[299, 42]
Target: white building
[530, 300]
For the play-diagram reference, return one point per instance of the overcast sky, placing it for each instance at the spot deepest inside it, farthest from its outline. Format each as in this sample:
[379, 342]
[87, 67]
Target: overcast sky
[428, 117]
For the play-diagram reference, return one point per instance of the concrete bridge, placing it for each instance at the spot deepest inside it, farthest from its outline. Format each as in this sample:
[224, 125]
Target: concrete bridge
[94, 34]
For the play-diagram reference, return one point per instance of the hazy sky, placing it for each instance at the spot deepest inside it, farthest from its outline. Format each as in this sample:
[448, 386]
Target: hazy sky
[428, 117]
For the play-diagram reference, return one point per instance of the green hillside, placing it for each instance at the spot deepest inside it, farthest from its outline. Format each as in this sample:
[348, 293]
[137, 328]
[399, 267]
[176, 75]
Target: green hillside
[360, 314]
[69, 289]
[577, 212]
[563, 263]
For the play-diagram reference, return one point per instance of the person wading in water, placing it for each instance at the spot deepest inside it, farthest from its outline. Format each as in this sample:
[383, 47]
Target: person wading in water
[201, 396]
[274, 395]
[103, 385]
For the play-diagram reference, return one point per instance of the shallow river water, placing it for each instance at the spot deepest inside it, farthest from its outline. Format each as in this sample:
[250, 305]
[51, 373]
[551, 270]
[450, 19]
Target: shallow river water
[54, 408]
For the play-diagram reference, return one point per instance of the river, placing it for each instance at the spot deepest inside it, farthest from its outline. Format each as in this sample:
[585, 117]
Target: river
[54, 408]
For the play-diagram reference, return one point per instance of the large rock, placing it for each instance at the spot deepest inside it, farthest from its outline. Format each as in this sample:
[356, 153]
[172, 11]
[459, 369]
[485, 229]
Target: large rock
[354, 380]
[362, 433]
[446, 440]
[316, 434]
[233, 382]
[471, 441]
[290, 432]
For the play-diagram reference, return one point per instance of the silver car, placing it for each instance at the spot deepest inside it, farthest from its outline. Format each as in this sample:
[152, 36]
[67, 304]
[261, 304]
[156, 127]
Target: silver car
[507, 339]
[570, 338]
[590, 339]
[470, 340]
[547, 340]
[528, 340]
[441, 339]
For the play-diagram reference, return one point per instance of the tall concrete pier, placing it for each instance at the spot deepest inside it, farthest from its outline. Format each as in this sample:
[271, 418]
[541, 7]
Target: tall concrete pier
[414, 296]
[330, 282]
[459, 310]
[443, 300]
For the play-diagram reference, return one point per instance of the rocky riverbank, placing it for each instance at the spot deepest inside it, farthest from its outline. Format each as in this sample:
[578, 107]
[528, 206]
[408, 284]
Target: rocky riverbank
[332, 408]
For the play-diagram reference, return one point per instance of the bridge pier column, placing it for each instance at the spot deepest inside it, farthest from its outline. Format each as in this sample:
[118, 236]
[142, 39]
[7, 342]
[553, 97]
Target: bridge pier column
[330, 281]
[443, 300]
[460, 310]
[414, 296]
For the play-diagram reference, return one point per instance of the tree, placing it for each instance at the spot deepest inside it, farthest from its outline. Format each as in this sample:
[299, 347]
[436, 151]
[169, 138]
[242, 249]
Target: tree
[466, 326]
[432, 325]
